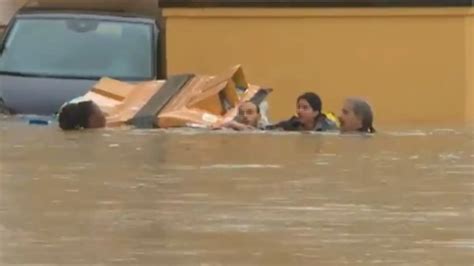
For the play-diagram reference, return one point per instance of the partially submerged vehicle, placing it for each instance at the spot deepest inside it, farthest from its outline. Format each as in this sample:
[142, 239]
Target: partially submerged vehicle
[55, 50]
[186, 100]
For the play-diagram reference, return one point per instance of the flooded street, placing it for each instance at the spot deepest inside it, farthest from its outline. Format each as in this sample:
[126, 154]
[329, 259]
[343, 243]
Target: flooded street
[133, 197]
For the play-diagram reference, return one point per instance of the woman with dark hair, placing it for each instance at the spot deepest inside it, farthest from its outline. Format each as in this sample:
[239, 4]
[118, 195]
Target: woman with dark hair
[81, 115]
[309, 116]
[356, 116]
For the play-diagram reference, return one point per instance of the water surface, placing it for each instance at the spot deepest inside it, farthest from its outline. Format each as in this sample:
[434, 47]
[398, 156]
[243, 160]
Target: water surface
[183, 197]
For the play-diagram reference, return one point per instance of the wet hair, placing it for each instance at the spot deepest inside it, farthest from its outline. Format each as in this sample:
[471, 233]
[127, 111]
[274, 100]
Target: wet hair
[293, 124]
[315, 102]
[256, 105]
[313, 99]
[75, 116]
[363, 110]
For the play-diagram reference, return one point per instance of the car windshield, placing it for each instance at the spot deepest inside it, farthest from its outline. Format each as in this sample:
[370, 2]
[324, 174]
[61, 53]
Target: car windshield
[79, 48]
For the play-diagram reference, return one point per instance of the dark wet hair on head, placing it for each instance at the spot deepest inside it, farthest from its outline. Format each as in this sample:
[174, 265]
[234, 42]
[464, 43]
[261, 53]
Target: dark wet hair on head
[75, 116]
[363, 110]
[313, 99]
[256, 105]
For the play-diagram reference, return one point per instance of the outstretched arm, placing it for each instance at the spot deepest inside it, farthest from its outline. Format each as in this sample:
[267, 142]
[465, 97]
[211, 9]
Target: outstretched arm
[235, 126]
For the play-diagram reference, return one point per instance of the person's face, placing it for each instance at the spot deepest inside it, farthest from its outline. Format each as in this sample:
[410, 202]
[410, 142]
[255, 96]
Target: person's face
[248, 114]
[305, 112]
[348, 119]
[97, 118]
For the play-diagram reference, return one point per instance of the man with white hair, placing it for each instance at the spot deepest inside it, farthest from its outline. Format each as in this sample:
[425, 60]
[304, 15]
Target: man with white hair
[356, 116]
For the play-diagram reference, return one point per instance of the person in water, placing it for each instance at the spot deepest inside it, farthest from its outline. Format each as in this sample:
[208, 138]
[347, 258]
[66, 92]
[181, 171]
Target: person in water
[248, 118]
[81, 114]
[356, 116]
[85, 114]
[309, 116]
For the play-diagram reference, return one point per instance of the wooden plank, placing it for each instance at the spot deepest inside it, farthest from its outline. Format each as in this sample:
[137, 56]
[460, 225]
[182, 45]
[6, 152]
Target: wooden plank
[146, 117]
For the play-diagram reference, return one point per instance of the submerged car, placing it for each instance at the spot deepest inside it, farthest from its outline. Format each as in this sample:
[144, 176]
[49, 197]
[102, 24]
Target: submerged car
[53, 51]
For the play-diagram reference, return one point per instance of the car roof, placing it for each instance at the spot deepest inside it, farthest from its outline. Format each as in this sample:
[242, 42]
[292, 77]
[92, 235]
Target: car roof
[115, 8]
[84, 14]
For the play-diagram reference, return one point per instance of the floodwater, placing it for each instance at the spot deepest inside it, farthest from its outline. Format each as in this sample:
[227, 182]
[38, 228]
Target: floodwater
[183, 197]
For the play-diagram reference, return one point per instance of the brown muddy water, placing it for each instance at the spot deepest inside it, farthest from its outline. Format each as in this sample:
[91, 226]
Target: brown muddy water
[184, 197]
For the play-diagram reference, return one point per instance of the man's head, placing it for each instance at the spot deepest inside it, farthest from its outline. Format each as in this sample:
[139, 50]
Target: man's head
[81, 115]
[249, 114]
[356, 115]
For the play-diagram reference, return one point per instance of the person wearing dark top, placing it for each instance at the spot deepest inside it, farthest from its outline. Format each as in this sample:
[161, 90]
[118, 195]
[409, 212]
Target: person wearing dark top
[309, 116]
